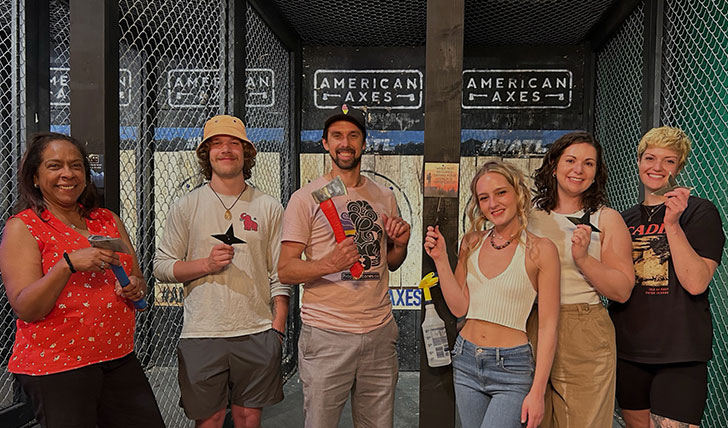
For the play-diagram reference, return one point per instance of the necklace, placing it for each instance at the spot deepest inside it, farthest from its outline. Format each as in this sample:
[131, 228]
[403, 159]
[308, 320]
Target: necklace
[501, 246]
[69, 223]
[228, 215]
[652, 211]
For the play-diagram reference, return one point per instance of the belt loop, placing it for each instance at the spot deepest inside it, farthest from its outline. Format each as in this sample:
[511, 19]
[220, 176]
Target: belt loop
[497, 354]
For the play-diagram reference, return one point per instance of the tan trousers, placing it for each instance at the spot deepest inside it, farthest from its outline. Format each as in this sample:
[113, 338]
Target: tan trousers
[580, 392]
[335, 365]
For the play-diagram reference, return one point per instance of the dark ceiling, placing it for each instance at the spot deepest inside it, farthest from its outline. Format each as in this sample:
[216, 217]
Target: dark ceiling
[403, 22]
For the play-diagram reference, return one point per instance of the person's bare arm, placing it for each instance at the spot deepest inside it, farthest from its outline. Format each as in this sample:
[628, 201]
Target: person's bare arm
[398, 235]
[549, 296]
[280, 313]
[613, 275]
[693, 271]
[31, 294]
[220, 256]
[293, 270]
[454, 288]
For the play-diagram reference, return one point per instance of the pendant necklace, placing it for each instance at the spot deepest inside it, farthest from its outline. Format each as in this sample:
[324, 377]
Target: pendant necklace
[228, 215]
[652, 211]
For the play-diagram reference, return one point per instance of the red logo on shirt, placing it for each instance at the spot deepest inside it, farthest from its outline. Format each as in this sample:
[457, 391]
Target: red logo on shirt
[248, 222]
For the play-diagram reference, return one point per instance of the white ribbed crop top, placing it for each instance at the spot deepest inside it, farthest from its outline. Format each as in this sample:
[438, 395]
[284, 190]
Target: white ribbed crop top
[507, 298]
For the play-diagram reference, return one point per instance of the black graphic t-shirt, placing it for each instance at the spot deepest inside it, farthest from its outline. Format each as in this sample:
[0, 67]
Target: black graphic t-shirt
[662, 322]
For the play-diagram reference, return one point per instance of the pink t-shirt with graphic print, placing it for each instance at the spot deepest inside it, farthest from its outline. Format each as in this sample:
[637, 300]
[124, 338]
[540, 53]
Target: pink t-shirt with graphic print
[89, 322]
[337, 301]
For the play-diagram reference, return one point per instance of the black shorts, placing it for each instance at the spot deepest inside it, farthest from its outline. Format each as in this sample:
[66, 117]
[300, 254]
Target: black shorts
[111, 394]
[677, 391]
[244, 370]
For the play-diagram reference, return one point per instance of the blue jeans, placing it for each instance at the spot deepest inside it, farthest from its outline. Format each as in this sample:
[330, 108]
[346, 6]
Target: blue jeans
[491, 383]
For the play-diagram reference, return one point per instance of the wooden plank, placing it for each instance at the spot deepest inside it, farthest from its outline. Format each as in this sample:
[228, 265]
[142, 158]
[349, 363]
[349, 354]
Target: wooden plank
[327, 162]
[468, 169]
[410, 205]
[312, 167]
[267, 173]
[388, 175]
[443, 95]
[368, 163]
[176, 174]
[523, 165]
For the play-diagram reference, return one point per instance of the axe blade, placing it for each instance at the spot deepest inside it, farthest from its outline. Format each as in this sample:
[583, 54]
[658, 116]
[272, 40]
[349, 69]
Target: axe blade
[335, 187]
[113, 244]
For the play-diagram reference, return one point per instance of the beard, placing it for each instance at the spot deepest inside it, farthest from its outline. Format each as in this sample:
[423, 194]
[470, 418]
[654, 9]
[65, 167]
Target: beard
[346, 165]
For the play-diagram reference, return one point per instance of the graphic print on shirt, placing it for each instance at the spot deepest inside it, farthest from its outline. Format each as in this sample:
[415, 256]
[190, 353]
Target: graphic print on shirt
[651, 255]
[249, 222]
[368, 234]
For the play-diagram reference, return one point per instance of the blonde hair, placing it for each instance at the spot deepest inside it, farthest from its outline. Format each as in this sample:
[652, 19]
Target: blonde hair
[666, 137]
[515, 178]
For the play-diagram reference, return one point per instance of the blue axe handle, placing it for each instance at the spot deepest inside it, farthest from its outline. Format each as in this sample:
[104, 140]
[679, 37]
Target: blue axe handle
[124, 281]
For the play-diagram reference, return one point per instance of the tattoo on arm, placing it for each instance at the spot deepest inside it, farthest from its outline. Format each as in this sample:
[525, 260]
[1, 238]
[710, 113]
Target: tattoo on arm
[663, 422]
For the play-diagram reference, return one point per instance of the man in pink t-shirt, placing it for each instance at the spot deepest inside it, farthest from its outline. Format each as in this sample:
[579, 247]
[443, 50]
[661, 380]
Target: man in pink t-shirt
[348, 339]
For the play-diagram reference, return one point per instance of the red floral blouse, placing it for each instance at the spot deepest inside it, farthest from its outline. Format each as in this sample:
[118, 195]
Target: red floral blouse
[89, 323]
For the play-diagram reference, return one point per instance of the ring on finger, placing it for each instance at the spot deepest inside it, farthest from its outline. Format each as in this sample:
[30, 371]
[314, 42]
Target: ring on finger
[102, 265]
[141, 293]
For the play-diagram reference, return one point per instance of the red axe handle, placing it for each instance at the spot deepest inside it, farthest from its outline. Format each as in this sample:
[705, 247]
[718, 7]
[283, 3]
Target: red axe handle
[329, 210]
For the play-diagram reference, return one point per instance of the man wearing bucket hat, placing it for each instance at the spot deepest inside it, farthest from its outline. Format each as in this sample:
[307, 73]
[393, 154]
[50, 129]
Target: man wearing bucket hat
[230, 346]
[348, 339]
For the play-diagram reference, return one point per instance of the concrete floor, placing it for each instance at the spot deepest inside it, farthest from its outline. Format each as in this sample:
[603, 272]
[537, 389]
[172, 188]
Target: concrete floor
[289, 412]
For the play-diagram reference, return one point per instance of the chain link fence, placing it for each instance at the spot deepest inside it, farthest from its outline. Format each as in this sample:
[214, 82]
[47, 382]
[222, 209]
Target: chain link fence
[694, 97]
[173, 75]
[618, 105]
[12, 91]
[268, 116]
[60, 36]
[171, 80]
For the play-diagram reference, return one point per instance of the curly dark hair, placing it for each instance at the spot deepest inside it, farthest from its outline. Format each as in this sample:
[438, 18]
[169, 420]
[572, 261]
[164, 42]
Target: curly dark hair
[30, 196]
[203, 159]
[546, 195]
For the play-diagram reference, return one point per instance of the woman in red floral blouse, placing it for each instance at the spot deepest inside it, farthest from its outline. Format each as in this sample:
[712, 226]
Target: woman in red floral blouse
[74, 344]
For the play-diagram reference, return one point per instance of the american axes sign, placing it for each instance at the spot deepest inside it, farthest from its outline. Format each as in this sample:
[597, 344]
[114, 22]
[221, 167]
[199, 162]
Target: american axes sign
[60, 90]
[197, 88]
[375, 89]
[517, 89]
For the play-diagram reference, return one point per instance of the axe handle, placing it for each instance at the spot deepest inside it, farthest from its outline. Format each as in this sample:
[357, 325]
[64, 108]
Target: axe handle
[329, 210]
[124, 281]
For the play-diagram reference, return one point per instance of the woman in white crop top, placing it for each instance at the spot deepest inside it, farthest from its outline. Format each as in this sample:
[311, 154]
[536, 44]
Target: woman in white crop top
[571, 184]
[494, 285]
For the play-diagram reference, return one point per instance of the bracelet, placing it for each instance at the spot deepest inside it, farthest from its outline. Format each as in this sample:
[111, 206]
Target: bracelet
[280, 333]
[68, 260]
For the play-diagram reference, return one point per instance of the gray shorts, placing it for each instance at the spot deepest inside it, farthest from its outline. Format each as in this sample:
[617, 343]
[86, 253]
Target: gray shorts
[243, 370]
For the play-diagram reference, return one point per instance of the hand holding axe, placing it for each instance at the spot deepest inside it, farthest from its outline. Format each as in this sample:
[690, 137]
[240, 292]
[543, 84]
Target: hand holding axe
[323, 196]
[116, 244]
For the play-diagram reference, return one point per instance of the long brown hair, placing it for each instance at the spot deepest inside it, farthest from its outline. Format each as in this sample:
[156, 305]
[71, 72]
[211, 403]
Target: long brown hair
[30, 196]
[547, 196]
